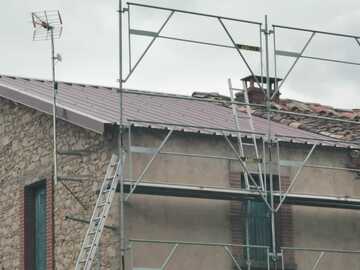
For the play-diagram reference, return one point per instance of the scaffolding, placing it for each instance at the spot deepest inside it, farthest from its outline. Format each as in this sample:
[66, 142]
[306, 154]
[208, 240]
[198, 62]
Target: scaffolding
[266, 146]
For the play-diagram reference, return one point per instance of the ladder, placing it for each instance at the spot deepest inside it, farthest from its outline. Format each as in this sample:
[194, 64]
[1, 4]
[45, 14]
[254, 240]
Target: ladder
[241, 144]
[100, 213]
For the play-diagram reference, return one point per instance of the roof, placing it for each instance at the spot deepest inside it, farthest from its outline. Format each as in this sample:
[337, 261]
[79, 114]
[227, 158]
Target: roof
[92, 107]
[348, 129]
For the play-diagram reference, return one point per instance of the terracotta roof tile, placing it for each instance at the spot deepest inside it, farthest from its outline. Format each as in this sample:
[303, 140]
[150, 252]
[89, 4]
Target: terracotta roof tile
[333, 129]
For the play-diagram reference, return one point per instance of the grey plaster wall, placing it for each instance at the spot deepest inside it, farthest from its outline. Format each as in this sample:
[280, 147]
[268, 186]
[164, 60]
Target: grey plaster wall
[179, 219]
[176, 219]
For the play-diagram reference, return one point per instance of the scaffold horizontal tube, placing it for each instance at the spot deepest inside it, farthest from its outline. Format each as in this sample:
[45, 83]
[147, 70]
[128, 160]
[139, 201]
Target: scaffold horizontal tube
[347, 143]
[218, 193]
[194, 243]
[347, 251]
[194, 13]
[314, 31]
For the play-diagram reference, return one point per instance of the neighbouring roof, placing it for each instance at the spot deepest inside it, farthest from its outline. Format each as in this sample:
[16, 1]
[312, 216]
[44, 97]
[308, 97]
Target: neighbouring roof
[346, 130]
[298, 114]
[93, 107]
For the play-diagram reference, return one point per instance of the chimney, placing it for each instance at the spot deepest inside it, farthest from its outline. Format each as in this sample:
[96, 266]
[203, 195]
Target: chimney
[255, 93]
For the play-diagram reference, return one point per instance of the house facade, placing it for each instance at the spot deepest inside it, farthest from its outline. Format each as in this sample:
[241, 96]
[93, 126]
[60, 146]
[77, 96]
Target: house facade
[188, 211]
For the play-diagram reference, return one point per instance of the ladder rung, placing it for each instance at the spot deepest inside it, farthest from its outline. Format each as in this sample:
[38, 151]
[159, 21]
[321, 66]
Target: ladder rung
[98, 219]
[108, 185]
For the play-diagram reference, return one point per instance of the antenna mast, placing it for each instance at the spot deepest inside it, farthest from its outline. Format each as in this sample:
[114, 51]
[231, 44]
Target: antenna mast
[48, 25]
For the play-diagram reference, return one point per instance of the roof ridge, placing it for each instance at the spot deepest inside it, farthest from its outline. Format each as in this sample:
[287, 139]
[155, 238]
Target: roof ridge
[59, 81]
[165, 94]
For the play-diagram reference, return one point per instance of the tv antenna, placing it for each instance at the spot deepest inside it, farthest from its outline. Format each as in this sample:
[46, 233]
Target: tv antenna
[48, 26]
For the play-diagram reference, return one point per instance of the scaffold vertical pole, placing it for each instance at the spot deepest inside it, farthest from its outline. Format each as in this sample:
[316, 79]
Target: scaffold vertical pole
[121, 143]
[269, 141]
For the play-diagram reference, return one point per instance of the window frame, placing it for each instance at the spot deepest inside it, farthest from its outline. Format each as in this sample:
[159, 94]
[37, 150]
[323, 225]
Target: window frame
[260, 260]
[32, 196]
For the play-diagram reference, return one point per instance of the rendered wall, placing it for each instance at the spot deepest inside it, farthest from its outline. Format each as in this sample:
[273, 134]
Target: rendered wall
[180, 219]
[321, 227]
[176, 218]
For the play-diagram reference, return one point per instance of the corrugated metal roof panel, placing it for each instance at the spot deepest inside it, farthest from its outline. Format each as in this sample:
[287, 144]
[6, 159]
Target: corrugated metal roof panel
[101, 104]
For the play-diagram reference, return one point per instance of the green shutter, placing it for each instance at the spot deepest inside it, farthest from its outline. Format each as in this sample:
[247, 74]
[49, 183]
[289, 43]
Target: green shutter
[40, 228]
[259, 229]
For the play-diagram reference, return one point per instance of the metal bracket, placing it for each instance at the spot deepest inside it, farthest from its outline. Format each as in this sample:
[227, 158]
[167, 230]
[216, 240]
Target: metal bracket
[74, 195]
[87, 221]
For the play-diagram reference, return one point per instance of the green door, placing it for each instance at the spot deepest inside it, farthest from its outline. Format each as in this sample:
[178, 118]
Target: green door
[40, 228]
[259, 229]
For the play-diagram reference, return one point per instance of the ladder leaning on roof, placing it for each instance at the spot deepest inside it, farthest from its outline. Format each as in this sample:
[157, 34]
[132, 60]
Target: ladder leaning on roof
[241, 144]
[100, 213]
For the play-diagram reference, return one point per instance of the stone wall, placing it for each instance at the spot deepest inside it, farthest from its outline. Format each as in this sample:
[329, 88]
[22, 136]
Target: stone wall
[25, 157]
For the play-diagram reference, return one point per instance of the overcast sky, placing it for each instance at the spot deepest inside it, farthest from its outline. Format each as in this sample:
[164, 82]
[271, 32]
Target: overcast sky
[89, 46]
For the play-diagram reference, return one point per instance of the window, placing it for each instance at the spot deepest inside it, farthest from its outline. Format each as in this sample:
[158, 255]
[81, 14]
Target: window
[253, 219]
[35, 227]
[258, 224]
[259, 230]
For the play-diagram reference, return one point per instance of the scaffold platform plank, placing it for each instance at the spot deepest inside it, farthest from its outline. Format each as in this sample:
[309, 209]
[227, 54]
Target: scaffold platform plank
[214, 193]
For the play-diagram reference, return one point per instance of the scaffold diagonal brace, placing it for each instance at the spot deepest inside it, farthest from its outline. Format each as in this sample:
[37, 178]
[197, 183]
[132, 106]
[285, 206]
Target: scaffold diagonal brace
[237, 265]
[240, 53]
[154, 36]
[298, 172]
[317, 262]
[294, 64]
[168, 258]
[149, 164]
[357, 41]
